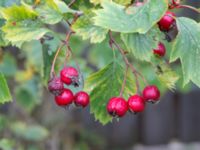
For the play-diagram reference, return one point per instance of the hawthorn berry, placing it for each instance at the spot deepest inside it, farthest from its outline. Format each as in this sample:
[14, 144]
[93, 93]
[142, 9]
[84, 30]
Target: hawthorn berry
[69, 75]
[136, 103]
[81, 99]
[160, 50]
[117, 106]
[65, 98]
[55, 86]
[151, 93]
[167, 21]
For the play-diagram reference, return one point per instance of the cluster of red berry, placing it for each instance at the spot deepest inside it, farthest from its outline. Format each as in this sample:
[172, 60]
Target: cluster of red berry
[64, 96]
[118, 106]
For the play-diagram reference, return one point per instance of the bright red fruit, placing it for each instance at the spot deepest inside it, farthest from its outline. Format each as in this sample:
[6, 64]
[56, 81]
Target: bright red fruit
[69, 75]
[82, 99]
[160, 50]
[55, 86]
[167, 21]
[136, 103]
[151, 93]
[117, 106]
[65, 98]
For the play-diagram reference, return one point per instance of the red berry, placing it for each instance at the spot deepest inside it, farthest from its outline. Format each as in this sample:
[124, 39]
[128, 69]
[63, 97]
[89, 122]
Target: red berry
[69, 75]
[151, 93]
[160, 50]
[117, 106]
[82, 99]
[55, 86]
[65, 98]
[167, 21]
[136, 103]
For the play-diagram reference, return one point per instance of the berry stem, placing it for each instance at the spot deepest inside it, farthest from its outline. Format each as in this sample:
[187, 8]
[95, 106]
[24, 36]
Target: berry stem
[124, 81]
[52, 72]
[190, 7]
[133, 69]
[71, 3]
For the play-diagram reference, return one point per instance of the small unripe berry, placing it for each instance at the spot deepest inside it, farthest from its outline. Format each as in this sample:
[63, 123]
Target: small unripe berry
[117, 106]
[136, 103]
[65, 98]
[160, 50]
[82, 99]
[151, 93]
[167, 21]
[69, 75]
[55, 86]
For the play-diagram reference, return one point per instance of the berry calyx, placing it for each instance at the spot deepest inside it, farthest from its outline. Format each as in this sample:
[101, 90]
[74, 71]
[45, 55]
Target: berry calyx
[167, 21]
[136, 103]
[65, 98]
[81, 99]
[151, 93]
[55, 86]
[69, 75]
[117, 106]
[160, 50]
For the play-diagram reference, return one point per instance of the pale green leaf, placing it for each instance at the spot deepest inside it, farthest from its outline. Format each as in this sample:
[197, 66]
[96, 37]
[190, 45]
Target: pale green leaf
[142, 45]
[85, 27]
[23, 31]
[4, 90]
[17, 13]
[133, 19]
[105, 84]
[122, 2]
[186, 47]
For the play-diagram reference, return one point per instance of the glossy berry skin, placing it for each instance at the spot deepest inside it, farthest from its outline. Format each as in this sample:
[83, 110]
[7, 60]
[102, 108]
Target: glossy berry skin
[167, 21]
[55, 86]
[136, 103]
[82, 99]
[65, 98]
[117, 106]
[160, 50]
[69, 75]
[151, 93]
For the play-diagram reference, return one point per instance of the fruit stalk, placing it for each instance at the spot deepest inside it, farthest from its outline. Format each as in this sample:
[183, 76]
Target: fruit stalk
[124, 81]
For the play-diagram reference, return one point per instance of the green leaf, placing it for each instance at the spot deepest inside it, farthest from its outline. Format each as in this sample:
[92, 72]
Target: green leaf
[6, 144]
[85, 27]
[105, 84]
[17, 13]
[142, 45]
[23, 31]
[122, 2]
[29, 132]
[186, 47]
[4, 90]
[134, 19]
[166, 75]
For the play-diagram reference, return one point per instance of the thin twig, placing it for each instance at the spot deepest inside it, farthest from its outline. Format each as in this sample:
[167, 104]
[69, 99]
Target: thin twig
[71, 3]
[134, 71]
[124, 82]
[190, 7]
[52, 72]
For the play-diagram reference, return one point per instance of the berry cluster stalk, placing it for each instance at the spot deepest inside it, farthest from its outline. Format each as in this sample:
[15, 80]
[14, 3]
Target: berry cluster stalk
[128, 64]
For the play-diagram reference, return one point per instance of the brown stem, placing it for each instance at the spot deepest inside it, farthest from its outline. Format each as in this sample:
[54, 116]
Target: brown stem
[124, 82]
[71, 3]
[190, 7]
[134, 71]
[52, 72]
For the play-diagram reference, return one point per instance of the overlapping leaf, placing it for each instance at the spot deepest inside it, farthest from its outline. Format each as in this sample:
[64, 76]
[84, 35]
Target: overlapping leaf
[142, 45]
[134, 19]
[122, 2]
[4, 90]
[87, 30]
[105, 84]
[186, 47]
